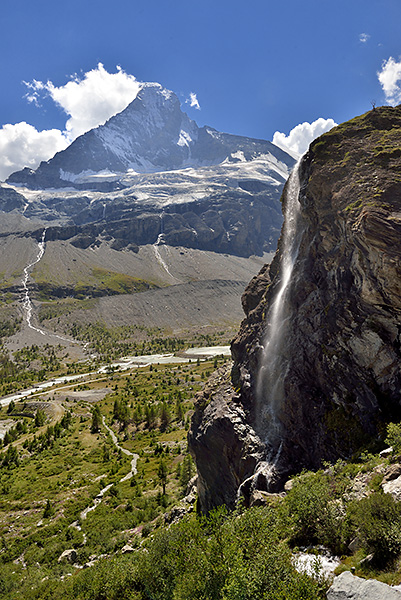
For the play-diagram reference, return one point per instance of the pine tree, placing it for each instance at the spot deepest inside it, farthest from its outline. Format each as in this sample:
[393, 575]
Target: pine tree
[96, 420]
[48, 512]
[162, 474]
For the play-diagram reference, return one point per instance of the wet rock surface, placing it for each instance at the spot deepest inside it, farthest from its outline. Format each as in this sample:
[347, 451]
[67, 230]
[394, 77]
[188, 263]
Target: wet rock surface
[342, 349]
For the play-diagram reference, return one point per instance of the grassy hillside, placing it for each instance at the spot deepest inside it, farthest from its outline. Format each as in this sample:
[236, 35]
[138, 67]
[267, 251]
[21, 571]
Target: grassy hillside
[144, 540]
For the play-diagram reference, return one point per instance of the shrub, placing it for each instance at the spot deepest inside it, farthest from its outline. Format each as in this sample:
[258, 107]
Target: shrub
[393, 438]
[377, 519]
[316, 515]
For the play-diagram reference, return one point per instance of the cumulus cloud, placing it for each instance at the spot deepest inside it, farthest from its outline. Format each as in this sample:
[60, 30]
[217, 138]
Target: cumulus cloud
[298, 140]
[390, 80]
[91, 100]
[363, 37]
[88, 101]
[21, 145]
[193, 101]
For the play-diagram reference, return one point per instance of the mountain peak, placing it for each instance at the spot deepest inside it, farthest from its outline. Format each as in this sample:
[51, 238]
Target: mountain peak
[152, 134]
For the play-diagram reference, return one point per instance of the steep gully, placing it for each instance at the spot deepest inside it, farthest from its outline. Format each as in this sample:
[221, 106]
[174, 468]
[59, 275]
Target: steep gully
[27, 302]
[160, 242]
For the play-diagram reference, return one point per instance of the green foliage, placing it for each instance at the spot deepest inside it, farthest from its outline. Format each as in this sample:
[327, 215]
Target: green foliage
[121, 413]
[393, 438]
[236, 557]
[162, 474]
[378, 521]
[96, 420]
[11, 407]
[314, 511]
[186, 472]
[49, 510]
[10, 458]
[165, 416]
[40, 418]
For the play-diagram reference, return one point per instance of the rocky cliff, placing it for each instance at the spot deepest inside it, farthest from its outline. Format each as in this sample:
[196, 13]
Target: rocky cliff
[340, 375]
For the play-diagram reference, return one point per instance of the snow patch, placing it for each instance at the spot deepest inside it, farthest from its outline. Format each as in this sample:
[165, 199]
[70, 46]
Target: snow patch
[184, 139]
[239, 155]
[87, 176]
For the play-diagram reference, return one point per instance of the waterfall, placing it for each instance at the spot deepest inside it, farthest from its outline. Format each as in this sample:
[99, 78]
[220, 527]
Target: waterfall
[161, 243]
[27, 303]
[274, 362]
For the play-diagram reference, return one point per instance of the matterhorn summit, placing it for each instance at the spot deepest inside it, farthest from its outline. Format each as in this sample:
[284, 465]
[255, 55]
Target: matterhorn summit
[152, 134]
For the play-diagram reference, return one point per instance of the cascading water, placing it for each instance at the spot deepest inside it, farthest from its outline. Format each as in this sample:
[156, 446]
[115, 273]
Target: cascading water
[27, 302]
[160, 242]
[274, 363]
[26, 298]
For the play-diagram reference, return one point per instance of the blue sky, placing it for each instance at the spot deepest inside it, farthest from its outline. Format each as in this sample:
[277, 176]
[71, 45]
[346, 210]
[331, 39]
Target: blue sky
[256, 67]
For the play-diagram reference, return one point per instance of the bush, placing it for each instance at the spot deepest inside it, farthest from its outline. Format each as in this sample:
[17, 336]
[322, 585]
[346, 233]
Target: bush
[393, 438]
[236, 557]
[377, 519]
[316, 514]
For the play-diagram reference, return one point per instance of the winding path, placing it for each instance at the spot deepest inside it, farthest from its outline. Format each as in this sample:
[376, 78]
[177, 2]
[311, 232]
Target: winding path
[132, 472]
[125, 451]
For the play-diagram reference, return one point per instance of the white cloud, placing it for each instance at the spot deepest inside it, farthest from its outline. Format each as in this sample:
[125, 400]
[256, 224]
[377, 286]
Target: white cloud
[21, 145]
[91, 100]
[193, 101]
[390, 80]
[298, 140]
[88, 102]
[363, 37]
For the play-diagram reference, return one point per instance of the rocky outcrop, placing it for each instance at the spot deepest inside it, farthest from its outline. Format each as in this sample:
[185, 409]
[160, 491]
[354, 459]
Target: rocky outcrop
[340, 360]
[349, 587]
[224, 445]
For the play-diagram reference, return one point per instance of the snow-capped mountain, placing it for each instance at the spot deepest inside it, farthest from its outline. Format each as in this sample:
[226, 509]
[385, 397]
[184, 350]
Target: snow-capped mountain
[150, 174]
[147, 201]
[151, 135]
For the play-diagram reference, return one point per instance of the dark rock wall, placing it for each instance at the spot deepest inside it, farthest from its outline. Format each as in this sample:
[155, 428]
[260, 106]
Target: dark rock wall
[343, 346]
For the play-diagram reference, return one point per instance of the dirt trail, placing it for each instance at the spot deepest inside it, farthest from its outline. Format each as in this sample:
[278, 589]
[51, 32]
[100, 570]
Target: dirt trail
[130, 474]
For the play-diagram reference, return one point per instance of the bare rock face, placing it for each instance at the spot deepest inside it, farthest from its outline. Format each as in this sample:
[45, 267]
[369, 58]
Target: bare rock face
[349, 587]
[224, 445]
[341, 375]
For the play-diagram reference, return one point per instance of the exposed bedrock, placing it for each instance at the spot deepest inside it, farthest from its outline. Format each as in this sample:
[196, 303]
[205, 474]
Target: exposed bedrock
[341, 376]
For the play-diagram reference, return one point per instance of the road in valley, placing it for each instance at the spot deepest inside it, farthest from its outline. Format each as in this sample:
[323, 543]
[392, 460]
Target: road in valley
[124, 364]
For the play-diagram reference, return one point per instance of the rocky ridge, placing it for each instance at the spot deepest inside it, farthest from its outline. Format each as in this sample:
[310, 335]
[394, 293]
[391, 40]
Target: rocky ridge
[342, 354]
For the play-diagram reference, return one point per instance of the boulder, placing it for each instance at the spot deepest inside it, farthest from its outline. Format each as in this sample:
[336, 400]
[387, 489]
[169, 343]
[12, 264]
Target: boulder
[69, 555]
[349, 587]
[259, 498]
[392, 472]
[393, 487]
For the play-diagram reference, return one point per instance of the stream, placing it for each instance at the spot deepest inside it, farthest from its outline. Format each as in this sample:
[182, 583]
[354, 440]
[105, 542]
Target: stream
[27, 303]
[26, 299]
